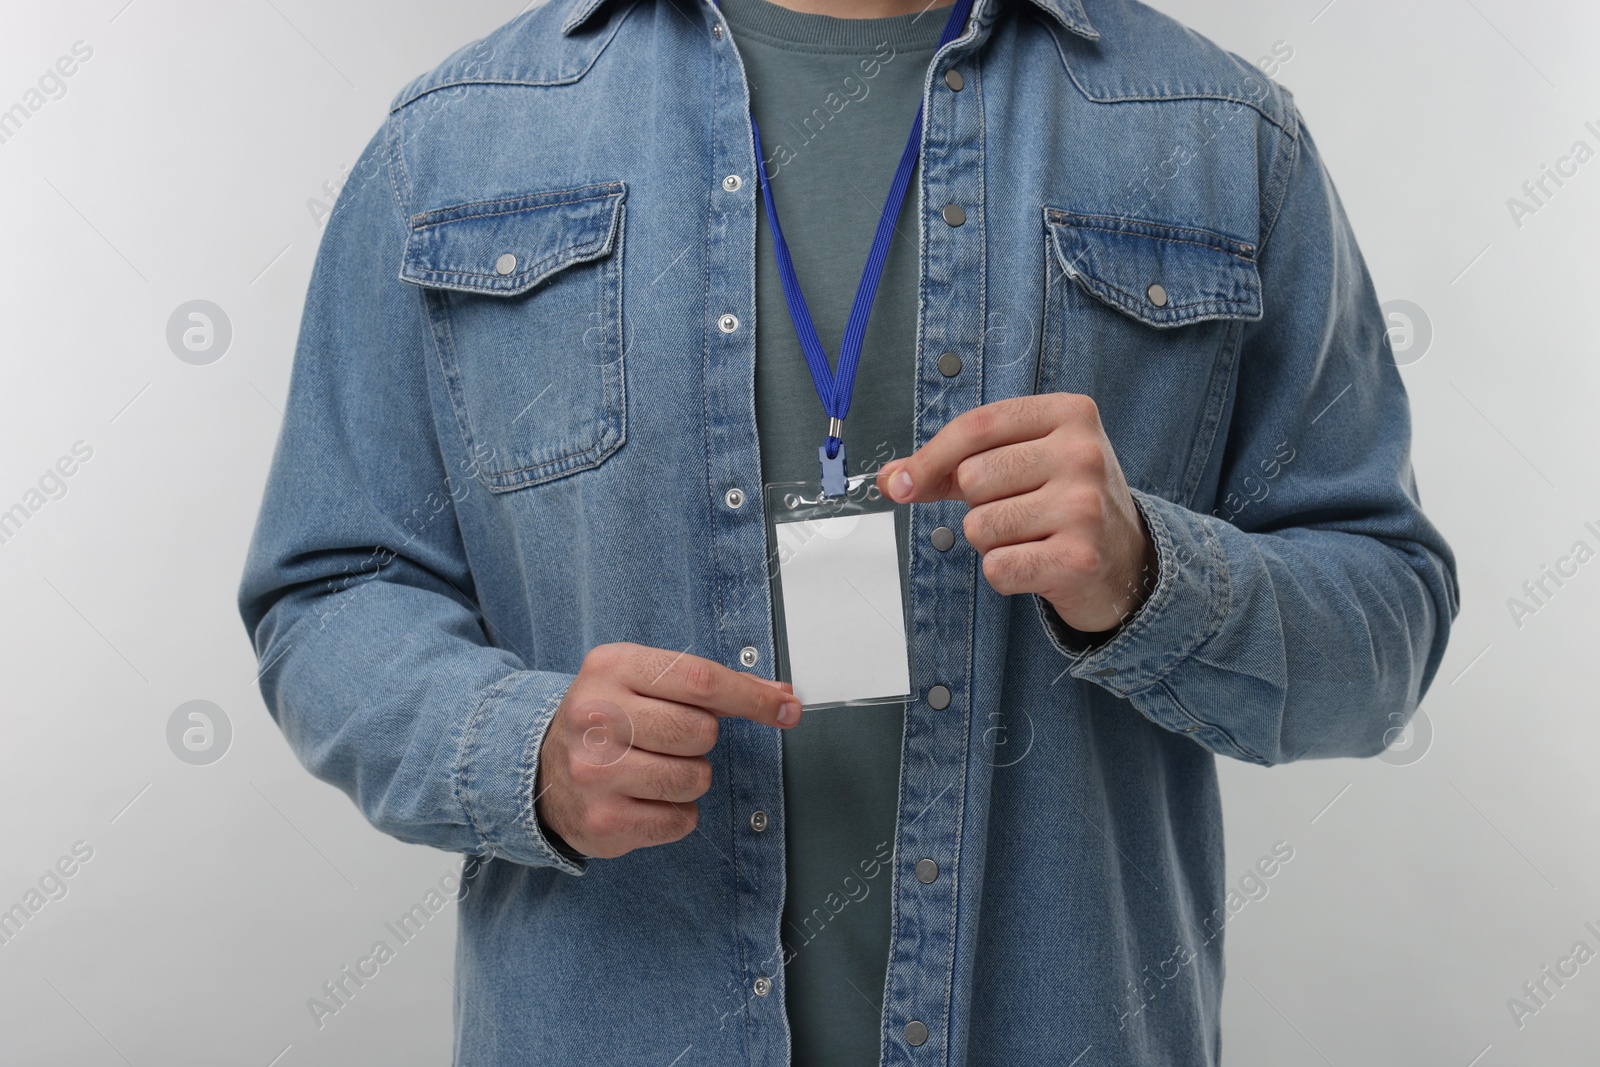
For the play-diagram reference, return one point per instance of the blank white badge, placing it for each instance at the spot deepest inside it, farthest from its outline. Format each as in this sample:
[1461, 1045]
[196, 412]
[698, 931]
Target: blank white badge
[843, 614]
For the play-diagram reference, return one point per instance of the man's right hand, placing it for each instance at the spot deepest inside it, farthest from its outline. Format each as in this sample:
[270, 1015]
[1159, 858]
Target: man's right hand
[624, 759]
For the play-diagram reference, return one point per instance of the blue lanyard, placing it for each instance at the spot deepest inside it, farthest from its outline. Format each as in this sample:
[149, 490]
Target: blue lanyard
[834, 389]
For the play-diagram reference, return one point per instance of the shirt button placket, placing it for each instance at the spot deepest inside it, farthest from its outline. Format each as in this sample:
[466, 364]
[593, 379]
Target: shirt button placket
[749, 796]
[944, 587]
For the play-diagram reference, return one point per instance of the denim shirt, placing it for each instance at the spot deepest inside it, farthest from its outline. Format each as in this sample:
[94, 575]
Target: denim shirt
[521, 424]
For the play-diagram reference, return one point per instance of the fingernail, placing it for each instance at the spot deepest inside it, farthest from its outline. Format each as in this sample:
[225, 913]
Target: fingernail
[789, 714]
[900, 485]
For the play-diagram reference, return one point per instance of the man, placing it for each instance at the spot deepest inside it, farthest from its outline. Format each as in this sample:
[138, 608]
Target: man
[1124, 374]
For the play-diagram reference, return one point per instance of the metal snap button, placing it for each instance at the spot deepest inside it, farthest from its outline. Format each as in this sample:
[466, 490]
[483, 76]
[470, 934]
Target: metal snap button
[734, 498]
[728, 323]
[952, 78]
[748, 655]
[758, 821]
[732, 183]
[927, 871]
[939, 697]
[916, 1032]
[953, 214]
[943, 538]
[505, 264]
[1157, 294]
[949, 364]
[763, 986]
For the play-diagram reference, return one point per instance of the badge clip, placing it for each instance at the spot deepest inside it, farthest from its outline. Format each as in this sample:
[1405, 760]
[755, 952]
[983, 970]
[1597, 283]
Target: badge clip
[833, 477]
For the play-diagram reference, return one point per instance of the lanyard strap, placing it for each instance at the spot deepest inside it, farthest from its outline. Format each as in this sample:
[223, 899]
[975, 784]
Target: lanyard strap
[834, 389]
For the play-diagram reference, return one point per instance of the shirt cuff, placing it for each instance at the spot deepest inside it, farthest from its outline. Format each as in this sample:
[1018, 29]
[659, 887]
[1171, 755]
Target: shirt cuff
[499, 766]
[1184, 610]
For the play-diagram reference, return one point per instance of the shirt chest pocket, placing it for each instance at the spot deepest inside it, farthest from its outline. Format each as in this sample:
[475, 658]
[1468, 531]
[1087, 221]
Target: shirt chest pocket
[1147, 318]
[525, 298]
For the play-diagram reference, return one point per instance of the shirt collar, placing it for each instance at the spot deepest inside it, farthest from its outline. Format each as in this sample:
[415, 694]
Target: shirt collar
[1069, 13]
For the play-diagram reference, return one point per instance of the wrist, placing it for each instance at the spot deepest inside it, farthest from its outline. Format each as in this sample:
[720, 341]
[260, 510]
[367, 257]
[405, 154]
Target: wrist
[560, 844]
[1121, 602]
[551, 835]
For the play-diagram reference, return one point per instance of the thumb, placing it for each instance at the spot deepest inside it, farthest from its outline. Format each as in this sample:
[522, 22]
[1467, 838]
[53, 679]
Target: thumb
[895, 481]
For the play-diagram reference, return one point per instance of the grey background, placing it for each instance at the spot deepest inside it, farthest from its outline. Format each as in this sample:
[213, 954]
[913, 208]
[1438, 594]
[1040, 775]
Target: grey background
[220, 896]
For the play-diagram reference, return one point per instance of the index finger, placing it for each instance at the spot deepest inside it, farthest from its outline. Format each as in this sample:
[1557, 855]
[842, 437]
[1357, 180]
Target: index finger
[707, 684]
[931, 469]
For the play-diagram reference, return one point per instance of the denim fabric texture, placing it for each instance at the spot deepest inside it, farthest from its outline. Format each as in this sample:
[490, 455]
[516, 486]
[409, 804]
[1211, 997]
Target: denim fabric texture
[523, 389]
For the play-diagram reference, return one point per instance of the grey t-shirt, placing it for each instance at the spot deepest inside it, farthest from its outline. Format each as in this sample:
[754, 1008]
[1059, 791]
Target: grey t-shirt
[835, 99]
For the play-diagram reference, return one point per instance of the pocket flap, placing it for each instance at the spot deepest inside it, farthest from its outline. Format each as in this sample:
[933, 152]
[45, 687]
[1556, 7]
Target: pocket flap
[1162, 275]
[508, 246]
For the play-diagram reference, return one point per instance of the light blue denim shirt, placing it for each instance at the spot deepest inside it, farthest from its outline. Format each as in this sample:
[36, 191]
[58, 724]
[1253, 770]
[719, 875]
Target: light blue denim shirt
[522, 400]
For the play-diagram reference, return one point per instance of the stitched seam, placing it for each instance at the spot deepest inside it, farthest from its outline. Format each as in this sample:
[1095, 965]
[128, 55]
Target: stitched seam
[1136, 305]
[1239, 751]
[573, 255]
[1199, 723]
[740, 966]
[422, 222]
[1216, 563]
[1196, 94]
[614, 376]
[1157, 237]
[460, 82]
[1193, 94]
[972, 598]
[1130, 227]
[463, 773]
[1131, 303]
[429, 89]
[1218, 594]
[1287, 170]
[580, 15]
[527, 807]
[550, 463]
[917, 404]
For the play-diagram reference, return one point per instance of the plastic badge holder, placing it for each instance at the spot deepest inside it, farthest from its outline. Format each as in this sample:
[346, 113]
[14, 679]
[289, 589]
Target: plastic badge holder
[840, 607]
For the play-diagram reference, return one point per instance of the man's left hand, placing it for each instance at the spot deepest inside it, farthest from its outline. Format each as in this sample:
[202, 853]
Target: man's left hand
[1050, 512]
